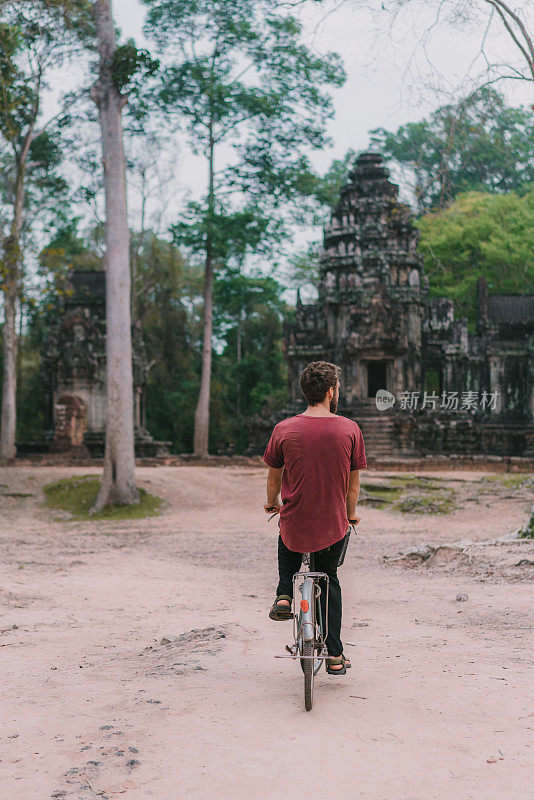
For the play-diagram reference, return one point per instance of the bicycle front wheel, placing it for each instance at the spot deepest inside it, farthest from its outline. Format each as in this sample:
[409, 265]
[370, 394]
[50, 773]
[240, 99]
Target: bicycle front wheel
[308, 663]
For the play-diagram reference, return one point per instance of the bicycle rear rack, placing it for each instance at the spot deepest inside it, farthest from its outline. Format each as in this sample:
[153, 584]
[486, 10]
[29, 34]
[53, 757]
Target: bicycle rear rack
[323, 624]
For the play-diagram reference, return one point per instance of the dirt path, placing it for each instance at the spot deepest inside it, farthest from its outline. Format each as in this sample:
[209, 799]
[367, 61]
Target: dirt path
[439, 702]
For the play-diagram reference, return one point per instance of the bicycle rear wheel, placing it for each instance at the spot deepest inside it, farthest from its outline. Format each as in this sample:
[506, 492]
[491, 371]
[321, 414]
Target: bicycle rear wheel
[308, 664]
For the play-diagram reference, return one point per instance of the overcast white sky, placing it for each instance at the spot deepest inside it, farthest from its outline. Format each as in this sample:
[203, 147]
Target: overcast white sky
[389, 79]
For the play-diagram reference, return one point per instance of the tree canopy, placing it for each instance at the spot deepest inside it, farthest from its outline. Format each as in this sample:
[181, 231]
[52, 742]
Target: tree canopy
[477, 144]
[479, 234]
[254, 102]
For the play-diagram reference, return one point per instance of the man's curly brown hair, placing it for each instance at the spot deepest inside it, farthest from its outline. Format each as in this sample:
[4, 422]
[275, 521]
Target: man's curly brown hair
[316, 380]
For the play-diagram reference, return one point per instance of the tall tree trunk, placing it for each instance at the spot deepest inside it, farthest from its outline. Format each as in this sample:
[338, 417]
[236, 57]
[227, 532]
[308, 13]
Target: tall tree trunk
[118, 482]
[238, 375]
[202, 413]
[12, 260]
[8, 449]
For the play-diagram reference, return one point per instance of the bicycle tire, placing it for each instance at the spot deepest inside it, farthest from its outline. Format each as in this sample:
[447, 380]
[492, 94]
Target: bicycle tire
[308, 649]
[301, 645]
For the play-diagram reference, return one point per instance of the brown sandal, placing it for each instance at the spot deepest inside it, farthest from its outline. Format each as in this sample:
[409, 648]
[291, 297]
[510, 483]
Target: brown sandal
[345, 665]
[279, 611]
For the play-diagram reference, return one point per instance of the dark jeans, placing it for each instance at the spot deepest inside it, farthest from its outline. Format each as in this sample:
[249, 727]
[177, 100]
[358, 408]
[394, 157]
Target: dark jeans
[323, 561]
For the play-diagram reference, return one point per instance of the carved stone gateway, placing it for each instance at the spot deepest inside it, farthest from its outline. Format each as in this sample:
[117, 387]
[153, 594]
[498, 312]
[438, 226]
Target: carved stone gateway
[70, 426]
[75, 371]
[373, 317]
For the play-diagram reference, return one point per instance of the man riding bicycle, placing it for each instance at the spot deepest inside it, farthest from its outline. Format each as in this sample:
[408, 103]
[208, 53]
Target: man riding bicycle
[315, 458]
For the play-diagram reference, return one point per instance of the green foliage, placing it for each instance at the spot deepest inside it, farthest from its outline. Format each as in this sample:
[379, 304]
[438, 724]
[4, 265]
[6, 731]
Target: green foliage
[305, 267]
[45, 151]
[249, 370]
[253, 101]
[231, 234]
[77, 495]
[328, 187]
[35, 38]
[248, 377]
[167, 299]
[132, 66]
[65, 252]
[479, 143]
[30, 383]
[480, 234]
[69, 250]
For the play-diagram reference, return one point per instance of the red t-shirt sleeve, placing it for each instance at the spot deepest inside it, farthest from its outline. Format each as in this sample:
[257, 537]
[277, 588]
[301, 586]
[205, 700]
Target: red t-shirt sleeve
[273, 455]
[357, 459]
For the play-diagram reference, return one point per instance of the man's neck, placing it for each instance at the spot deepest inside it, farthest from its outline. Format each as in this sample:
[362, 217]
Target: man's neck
[318, 411]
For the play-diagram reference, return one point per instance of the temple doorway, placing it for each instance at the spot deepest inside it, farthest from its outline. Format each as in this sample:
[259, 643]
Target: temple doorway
[376, 377]
[70, 424]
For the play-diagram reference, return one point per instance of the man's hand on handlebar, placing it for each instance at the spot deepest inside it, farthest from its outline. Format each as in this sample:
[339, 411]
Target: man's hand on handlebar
[272, 508]
[353, 520]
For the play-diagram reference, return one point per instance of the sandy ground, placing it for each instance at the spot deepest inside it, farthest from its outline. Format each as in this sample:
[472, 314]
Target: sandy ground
[439, 702]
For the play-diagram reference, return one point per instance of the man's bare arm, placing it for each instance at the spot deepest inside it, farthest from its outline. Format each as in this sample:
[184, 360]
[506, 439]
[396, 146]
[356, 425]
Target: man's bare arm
[353, 494]
[274, 484]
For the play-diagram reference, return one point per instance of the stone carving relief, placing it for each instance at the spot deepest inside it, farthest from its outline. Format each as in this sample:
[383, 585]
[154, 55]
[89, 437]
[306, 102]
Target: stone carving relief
[76, 346]
[70, 423]
[413, 278]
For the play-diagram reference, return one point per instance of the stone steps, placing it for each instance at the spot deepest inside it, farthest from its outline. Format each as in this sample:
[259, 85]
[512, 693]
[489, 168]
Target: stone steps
[378, 431]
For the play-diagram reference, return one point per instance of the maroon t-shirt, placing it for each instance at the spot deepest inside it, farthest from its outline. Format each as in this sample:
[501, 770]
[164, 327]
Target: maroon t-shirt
[318, 454]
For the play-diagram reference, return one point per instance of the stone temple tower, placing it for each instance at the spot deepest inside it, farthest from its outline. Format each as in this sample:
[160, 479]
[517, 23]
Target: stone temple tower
[369, 315]
[374, 319]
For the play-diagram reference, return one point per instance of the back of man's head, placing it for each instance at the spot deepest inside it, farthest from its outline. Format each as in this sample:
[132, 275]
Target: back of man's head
[316, 379]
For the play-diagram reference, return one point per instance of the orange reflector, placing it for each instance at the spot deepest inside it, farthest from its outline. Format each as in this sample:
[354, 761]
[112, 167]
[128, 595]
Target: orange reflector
[304, 605]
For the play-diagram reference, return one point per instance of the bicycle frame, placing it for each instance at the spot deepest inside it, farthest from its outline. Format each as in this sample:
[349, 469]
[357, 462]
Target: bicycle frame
[309, 624]
[310, 630]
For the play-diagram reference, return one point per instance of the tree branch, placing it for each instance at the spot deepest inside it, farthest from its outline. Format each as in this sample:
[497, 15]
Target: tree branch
[518, 21]
[513, 35]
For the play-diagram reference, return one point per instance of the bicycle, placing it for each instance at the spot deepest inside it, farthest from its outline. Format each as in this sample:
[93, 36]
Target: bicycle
[310, 630]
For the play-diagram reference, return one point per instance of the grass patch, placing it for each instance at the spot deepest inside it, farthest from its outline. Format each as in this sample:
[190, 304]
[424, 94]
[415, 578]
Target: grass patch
[427, 504]
[410, 494]
[515, 482]
[379, 495]
[77, 495]
[422, 482]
